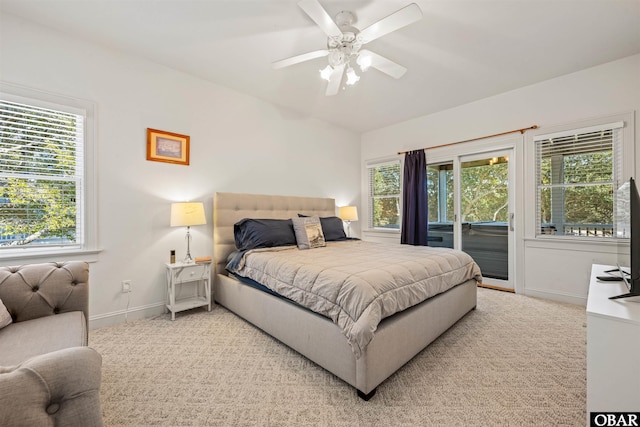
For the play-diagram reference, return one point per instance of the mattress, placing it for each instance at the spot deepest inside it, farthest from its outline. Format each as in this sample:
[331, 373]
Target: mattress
[357, 283]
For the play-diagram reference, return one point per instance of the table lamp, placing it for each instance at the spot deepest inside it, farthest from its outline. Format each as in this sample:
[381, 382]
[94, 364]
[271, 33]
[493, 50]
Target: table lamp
[348, 214]
[187, 213]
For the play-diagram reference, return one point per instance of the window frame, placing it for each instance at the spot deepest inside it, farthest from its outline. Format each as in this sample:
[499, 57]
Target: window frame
[370, 197]
[443, 193]
[88, 249]
[625, 165]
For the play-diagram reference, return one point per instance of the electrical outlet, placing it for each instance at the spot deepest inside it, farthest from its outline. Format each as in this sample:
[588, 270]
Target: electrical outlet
[126, 286]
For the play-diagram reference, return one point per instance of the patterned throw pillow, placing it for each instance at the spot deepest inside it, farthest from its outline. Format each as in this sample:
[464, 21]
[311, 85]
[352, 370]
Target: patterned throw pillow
[308, 232]
[5, 317]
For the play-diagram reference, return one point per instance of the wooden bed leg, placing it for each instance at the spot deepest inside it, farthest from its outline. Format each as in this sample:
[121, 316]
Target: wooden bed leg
[366, 397]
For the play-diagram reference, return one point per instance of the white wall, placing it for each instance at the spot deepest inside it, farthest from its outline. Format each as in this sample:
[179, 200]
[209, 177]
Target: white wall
[238, 144]
[554, 270]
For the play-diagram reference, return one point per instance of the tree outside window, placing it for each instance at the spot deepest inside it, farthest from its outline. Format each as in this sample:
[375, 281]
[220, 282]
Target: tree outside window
[384, 199]
[577, 176]
[40, 176]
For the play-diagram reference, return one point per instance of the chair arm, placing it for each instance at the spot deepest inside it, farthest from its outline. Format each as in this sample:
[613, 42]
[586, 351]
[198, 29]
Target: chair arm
[57, 388]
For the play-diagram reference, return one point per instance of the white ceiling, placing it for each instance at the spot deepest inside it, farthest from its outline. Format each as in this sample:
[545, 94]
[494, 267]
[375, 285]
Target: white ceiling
[461, 51]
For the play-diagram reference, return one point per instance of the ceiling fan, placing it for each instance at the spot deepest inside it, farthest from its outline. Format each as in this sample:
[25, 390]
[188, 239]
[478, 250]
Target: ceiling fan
[344, 43]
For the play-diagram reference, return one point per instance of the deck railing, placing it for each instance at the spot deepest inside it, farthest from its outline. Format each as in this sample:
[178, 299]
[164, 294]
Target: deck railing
[588, 230]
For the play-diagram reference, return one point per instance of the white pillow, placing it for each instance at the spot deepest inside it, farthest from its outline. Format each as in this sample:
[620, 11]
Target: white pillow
[308, 232]
[5, 317]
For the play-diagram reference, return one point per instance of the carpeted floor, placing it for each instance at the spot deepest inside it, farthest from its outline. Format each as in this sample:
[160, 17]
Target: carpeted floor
[514, 361]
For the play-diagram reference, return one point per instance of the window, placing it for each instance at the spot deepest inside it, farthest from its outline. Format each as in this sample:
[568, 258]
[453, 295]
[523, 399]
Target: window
[577, 174]
[384, 195]
[440, 193]
[42, 175]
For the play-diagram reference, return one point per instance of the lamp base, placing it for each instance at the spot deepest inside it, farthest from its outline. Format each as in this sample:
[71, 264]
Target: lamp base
[187, 258]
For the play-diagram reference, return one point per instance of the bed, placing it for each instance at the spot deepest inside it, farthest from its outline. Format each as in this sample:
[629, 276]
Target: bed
[397, 338]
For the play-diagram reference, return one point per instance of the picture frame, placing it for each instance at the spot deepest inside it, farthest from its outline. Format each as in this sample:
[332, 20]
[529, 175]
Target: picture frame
[167, 147]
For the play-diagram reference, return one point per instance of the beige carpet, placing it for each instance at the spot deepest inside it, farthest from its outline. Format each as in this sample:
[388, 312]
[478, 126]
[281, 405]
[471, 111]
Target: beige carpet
[514, 361]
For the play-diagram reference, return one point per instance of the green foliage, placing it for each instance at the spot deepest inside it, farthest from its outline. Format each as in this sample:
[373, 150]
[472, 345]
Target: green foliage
[37, 154]
[386, 196]
[580, 202]
[588, 167]
[386, 180]
[485, 192]
[37, 208]
[386, 212]
[434, 176]
[589, 205]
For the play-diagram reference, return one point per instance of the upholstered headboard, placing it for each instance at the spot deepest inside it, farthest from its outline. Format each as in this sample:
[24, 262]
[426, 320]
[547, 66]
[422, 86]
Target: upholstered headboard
[229, 208]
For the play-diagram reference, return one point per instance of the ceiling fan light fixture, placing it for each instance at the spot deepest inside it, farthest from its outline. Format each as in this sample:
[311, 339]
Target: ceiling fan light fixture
[326, 72]
[364, 61]
[345, 42]
[352, 77]
[336, 57]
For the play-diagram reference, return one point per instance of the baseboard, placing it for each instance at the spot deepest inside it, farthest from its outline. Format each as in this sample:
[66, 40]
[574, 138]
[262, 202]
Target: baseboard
[554, 296]
[497, 288]
[122, 316]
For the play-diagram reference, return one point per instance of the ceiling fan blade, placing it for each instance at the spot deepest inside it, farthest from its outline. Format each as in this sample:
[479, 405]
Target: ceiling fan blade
[299, 58]
[383, 64]
[335, 80]
[320, 17]
[403, 17]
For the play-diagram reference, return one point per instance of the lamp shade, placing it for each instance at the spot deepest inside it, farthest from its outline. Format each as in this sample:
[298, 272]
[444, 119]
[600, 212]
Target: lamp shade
[187, 213]
[348, 213]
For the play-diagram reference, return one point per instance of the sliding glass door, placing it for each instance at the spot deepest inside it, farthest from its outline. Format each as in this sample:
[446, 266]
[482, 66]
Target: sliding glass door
[471, 208]
[486, 214]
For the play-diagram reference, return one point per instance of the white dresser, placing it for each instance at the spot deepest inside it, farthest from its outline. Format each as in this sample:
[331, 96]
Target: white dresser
[613, 347]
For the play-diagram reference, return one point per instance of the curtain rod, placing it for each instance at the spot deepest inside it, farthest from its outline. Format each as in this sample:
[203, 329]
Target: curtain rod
[475, 139]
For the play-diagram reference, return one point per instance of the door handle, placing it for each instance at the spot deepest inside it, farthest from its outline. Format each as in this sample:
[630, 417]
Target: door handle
[511, 216]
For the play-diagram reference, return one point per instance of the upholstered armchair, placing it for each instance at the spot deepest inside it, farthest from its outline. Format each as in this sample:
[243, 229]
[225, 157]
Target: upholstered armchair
[48, 375]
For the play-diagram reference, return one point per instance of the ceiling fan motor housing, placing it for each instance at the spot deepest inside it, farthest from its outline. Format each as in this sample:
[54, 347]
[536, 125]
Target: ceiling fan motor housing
[343, 48]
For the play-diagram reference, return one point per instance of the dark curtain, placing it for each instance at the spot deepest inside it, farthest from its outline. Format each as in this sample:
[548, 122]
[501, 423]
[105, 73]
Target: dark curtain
[414, 199]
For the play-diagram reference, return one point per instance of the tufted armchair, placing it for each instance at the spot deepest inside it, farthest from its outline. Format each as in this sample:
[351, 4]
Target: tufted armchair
[48, 375]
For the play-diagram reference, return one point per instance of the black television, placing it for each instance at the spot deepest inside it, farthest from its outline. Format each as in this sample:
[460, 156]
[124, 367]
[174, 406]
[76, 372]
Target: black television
[632, 279]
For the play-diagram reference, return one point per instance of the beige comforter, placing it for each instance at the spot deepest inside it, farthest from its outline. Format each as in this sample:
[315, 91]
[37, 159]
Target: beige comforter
[357, 283]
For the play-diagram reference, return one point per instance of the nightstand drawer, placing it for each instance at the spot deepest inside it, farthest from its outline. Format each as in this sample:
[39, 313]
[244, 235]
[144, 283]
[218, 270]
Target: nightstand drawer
[189, 273]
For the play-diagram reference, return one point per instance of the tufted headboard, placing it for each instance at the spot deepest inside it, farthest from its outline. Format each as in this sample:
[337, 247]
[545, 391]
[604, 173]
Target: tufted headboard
[229, 208]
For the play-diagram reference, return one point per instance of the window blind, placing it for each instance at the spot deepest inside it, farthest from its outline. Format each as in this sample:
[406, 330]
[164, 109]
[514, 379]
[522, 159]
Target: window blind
[384, 194]
[41, 175]
[577, 172]
[385, 180]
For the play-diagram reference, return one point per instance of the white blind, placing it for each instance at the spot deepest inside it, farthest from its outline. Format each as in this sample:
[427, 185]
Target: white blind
[574, 132]
[387, 182]
[384, 183]
[577, 172]
[41, 175]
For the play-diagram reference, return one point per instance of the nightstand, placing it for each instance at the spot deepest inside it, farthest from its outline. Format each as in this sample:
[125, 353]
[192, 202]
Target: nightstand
[179, 274]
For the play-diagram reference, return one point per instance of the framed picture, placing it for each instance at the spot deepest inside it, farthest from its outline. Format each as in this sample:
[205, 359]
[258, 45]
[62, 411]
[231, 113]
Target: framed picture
[167, 147]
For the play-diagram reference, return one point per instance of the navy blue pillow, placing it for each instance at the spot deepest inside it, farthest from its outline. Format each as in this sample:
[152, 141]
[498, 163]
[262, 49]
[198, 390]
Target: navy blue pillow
[263, 233]
[332, 228]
